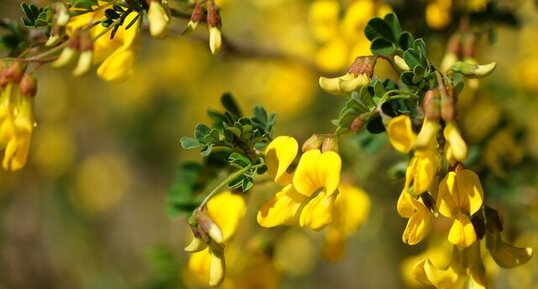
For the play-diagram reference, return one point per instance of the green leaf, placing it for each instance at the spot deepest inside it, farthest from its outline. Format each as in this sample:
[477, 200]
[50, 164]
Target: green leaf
[420, 45]
[207, 150]
[239, 160]
[378, 28]
[201, 131]
[418, 74]
[381, 46]
[230, 105]
[394, 24]
[412, 58]
[405, 40]
[407, 77]
[190, 143]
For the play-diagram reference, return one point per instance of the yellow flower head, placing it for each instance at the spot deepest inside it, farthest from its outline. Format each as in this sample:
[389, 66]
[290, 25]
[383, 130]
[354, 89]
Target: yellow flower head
[460, 195]
[323, 19]
[317, 173]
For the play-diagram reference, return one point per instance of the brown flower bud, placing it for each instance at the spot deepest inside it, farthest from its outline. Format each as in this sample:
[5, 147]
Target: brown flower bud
[431, 103]
[363, 65]
[313, 143]
[357, 124]
[85, 41]
[469, 45]
[454, 44]
[28, 85]
[213, 15]
[330, 144]
[13, 73]
[198, 14]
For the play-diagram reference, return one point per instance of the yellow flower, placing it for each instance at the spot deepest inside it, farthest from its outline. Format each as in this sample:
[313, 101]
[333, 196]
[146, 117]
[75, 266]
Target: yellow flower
[460, 195]
[351, 208]
[420, 218]
[17, 121]
[316, 173]
[117, 54]
[215, 226]
[464, 271]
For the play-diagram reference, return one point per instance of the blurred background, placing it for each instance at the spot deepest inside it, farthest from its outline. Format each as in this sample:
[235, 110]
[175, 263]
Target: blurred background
[89, 208]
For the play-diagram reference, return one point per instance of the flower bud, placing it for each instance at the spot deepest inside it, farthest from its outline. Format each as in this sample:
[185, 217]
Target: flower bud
[209, 227]
[68, 54]
[357, 124]
[28, 85]
[214, 23]
[197, 16]
[85, 59]
[363, 65]
[158, 19]
[431, 103]
[473, 70]
[313, 143]
[14, 72]
[346, 83]
[400, 62]
[62, 15]
[330, 144]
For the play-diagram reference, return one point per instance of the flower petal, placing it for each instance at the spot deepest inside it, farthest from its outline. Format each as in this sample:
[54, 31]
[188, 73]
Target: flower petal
[462, 233]
[282, 209]
[226, 210]
[400, 132]
[279, 155]
[318, 212]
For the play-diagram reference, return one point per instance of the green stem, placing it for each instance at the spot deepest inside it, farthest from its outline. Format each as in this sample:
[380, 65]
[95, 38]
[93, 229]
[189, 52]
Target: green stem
[223, 183]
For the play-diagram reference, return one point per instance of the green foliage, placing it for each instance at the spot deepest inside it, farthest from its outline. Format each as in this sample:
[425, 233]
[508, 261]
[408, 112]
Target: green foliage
[181, 196]
[36, 16]
[15, 38]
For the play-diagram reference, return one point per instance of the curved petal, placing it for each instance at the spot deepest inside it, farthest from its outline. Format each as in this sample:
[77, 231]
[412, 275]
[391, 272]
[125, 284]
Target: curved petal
[318, 212]
[400, 132]
[279, 155]
[446, 204]
[425, 172]
[226, 210]
[118, 66]
[462, 233]
[305, 179]
[351, 208]
[282, 209]
[458, 147]
[329, 167]
[419, 225]
[470, 190]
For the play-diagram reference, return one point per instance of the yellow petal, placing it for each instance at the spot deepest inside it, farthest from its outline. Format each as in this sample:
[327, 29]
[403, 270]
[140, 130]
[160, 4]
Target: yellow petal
[158, 20]
[404, 206]
[427, 136]
[226, 210]
[196, 245]
[446, 204]
[215, 40]
[318, 212]
[279, 155]
[84, 63]
[470, 190]
[456, 143]
[426, 169]
[282, 209]
[401, 134]
[351, 208]
[462, 233]
[328, 169]
[305, 179]
[334, 246]
[442, 279]
[118, 66]
[199, 264]
[419, 225]
[217, 266]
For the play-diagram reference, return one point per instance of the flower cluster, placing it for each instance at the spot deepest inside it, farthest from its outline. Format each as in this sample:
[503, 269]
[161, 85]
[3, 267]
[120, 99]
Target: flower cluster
[17, 92]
